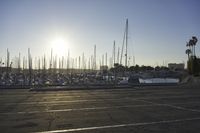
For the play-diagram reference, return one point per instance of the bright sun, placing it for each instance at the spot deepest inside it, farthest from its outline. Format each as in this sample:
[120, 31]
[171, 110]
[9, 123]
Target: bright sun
[59, 46]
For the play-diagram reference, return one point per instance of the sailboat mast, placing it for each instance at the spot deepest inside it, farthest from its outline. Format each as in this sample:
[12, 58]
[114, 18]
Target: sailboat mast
[126, 42]
[51, 60]
[118, 55]
[8, 62]
[94, 57]
[114, 53]
[30, 66]
[106, 59]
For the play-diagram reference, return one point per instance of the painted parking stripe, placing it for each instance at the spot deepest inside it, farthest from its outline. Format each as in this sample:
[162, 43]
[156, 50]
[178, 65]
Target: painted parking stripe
[172, 106]
[150, 104]
[78, 109]
[120, 125]
[102, 99]
[70, 101]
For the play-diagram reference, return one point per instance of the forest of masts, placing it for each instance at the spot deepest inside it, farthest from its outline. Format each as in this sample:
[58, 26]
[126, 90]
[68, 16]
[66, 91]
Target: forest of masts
[65, 63]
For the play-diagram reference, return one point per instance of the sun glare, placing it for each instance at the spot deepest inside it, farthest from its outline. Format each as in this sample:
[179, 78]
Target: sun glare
[59, 46]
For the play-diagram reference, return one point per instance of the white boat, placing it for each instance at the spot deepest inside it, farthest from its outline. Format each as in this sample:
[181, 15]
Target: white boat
[159, 80]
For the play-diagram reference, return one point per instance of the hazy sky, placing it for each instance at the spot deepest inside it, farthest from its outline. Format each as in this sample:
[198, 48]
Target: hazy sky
[158, 29]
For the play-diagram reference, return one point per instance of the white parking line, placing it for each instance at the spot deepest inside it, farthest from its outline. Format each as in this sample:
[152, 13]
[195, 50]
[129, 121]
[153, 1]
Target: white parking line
[172, 106]
[62, 93]
[70, 101]
[149, 104]
[51, 102]
[102, 99]
[73, 109]
[120, 125]
[107, 91]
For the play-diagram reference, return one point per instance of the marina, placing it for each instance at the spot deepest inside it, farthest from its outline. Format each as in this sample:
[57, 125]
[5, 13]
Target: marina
[32, 72]
[99, 66]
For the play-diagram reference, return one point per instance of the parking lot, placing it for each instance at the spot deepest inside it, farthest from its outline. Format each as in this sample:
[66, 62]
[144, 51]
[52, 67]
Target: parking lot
[139, 109]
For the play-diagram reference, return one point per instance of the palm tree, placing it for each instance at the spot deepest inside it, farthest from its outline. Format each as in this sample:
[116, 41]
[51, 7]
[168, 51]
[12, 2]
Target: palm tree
[194, 39]
[191, 45]
[188, 52]
[188, 44]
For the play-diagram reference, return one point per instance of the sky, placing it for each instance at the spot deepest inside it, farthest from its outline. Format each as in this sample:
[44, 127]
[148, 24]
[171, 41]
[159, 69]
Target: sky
[157, 34]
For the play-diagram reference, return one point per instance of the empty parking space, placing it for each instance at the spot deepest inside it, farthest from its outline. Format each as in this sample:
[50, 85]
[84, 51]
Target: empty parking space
[146, 109]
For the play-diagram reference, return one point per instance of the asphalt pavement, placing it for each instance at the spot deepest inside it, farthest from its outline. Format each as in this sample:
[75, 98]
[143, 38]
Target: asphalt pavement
[169, 109]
